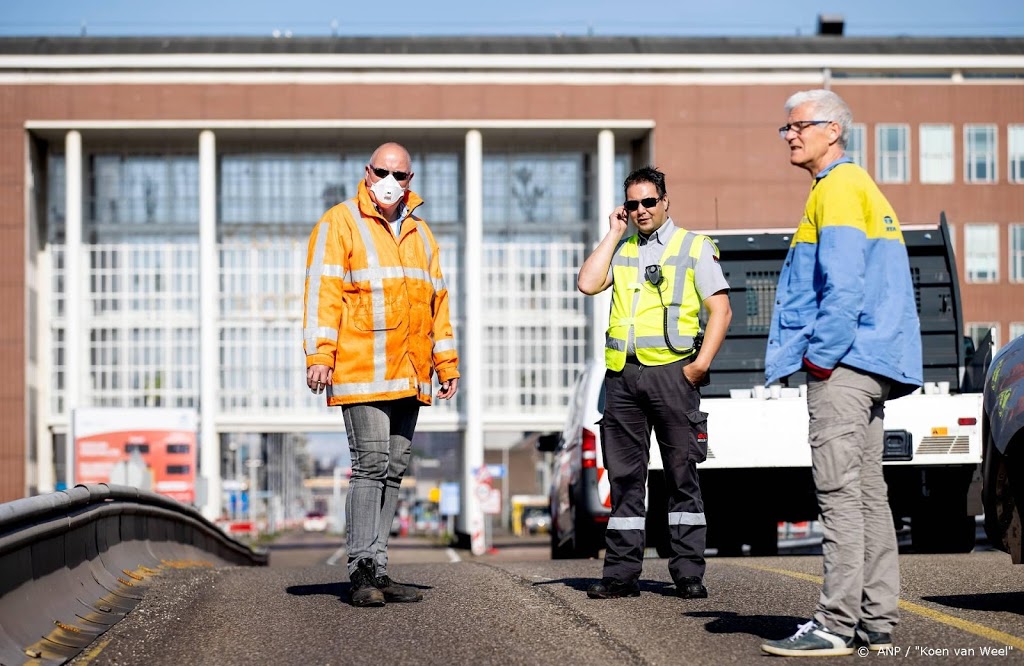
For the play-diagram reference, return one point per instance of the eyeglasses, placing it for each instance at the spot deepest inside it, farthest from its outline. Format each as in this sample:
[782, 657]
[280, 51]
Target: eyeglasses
[633, 204]
[799, 126]
[383, 173]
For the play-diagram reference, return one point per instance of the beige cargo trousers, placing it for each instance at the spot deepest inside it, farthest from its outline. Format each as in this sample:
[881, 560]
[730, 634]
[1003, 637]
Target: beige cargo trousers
[862, 578]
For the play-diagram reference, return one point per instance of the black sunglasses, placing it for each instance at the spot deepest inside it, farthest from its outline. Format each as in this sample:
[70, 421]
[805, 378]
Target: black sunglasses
[383, 173]
[633, 204]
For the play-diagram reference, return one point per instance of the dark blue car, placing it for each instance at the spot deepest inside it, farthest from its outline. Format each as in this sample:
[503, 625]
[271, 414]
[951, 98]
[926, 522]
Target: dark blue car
[1003, 460]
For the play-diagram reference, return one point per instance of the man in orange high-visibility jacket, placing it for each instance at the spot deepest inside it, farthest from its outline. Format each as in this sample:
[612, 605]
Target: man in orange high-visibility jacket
[375, 329]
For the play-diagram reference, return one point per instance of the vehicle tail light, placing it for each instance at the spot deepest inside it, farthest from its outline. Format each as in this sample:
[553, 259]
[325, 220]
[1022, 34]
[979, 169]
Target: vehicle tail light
[588, 449]
[968, 421]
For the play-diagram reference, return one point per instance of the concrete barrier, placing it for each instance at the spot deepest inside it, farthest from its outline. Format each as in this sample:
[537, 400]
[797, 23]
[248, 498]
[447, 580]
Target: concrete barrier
[73, 563]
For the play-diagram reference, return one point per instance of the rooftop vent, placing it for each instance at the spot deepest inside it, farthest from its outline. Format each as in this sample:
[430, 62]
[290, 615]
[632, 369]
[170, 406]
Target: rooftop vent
[830, 24]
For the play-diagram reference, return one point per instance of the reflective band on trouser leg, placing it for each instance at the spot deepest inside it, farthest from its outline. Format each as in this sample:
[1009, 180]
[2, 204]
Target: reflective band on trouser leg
[683, 518]
[626, 523]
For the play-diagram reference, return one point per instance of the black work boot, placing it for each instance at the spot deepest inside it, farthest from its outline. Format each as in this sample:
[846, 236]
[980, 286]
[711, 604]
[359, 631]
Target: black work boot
[395, 592]
[364, 590]
[691, 587]
[609, 588]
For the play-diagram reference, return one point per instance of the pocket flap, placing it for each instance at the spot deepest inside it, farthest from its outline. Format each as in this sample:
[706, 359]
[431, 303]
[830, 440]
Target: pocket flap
[827, 432]
[697, 417]
[796, 318]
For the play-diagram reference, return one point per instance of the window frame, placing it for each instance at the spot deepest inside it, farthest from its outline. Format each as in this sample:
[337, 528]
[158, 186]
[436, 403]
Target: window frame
[948, 159]
[1015, 253]
[992, 161]
[903, 153]
[971, 326]
[1015, 148]
[859, 157]
[968, 255]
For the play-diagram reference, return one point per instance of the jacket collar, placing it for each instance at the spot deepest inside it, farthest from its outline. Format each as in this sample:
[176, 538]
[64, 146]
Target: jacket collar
[369, 209]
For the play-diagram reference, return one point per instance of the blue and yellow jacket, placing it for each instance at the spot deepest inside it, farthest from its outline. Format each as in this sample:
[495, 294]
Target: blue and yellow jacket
[845, 294]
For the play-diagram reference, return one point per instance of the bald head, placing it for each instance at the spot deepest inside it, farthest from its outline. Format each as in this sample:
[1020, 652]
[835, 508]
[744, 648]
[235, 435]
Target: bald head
[391, 151]
[390, 161]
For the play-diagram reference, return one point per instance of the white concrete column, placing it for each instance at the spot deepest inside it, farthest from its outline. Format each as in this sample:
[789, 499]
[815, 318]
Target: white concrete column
[39, 471]
[471, 518]
[74, 292]
[45, 483]
[607, 194]
[209, 288]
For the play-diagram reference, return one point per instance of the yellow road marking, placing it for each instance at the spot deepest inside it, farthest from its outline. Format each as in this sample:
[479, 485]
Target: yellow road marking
[89, 655]
[994, 635]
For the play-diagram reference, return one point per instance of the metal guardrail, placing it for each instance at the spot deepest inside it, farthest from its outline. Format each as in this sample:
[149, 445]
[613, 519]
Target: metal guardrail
[73, 563]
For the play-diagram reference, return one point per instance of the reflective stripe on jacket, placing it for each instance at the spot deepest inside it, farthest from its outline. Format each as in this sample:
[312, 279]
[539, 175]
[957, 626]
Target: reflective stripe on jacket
[637, 308]
[376, 306]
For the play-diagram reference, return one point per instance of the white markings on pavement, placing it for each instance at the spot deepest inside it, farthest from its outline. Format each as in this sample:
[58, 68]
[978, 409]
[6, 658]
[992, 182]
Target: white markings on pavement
[453, 556]
[338, 554]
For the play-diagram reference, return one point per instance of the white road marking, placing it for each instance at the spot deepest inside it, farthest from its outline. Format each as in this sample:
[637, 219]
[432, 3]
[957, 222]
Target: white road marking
[338, 554]
[453, 556]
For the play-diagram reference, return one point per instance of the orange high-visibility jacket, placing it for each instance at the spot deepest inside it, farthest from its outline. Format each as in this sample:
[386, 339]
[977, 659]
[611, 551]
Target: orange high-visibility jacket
[376, 306]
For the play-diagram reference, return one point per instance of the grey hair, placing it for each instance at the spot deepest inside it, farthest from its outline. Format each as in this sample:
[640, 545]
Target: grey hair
[827, 106]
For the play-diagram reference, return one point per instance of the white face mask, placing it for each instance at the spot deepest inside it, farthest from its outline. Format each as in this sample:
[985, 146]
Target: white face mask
[387, 190]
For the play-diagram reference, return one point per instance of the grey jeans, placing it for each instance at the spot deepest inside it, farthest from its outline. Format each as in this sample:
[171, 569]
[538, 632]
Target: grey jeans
[862, 578]
[380, 441]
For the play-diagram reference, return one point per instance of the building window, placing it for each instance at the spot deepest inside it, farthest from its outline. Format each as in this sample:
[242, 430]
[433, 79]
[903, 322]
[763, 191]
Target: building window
[525, 192]
[1016, 329]
[981, 252]
[855, 145]
[936, 153]
[979, 329]
[1017, 253]
[891, 163]
[141, 198]
[980, 153]
[1015, 144]
[273, 194]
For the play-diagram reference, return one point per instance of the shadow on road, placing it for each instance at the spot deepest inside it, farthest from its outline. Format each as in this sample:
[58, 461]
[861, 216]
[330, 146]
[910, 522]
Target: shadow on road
[578, 584]
[583, 584]
[996, 602]
[339, 589]
[768, 627]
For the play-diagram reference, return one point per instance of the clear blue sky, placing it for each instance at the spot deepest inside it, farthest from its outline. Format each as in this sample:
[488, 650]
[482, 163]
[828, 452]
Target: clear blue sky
[510, 17]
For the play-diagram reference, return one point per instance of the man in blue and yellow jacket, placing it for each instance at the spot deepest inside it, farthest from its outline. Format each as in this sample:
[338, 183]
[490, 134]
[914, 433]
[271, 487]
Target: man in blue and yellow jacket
[845, 314]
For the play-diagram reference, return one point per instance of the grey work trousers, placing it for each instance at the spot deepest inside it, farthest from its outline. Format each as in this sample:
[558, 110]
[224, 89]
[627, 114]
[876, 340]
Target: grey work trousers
[380, 441]
[862, 578]
[637, 399]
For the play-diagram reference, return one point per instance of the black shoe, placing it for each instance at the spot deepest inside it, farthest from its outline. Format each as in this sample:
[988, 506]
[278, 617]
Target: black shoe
[691, 587]
[609, 588]
[364, 588]
[395, 592]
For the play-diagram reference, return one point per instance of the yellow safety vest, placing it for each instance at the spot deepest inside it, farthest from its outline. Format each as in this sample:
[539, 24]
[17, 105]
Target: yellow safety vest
[637, 309]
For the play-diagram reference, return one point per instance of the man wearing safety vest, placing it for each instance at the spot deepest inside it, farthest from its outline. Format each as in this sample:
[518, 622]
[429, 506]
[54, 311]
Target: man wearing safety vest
[375, 330]
[661, 278]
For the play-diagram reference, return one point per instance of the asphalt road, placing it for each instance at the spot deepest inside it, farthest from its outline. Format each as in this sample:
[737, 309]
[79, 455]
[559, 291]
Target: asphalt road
[516, 606]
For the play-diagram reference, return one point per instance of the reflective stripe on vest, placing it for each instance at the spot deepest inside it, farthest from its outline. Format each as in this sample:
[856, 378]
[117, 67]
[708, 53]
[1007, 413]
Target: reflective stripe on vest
[644, 321]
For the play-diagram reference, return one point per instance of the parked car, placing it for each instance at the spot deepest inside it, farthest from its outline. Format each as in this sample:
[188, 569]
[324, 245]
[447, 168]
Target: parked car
[579, 513]
[314, 522]
[536, 520]
[1003, 458]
